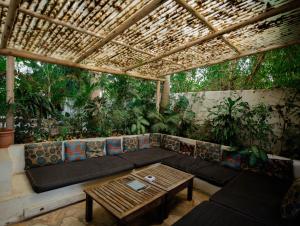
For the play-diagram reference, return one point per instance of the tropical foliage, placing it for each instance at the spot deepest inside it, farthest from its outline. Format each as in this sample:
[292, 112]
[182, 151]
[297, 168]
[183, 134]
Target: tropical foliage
[55, 102]
[274, 69]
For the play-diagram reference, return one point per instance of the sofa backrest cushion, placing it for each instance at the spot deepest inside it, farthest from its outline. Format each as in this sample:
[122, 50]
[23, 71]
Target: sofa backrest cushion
[75, 151]
[144, 141]
[95, 149]
[114, 146]
[290, 207]
[130, 144]
[170, 143]
[155, 140]
[208, 151]
[42, 154]
[282, 169]
[187, 149]
[231, 159]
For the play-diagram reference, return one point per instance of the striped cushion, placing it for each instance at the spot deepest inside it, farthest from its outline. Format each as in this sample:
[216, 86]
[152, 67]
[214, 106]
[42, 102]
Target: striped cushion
[144, 141]
[75, 150]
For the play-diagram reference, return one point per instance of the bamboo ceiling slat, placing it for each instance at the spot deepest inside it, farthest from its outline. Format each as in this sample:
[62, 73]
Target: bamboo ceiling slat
[205, 53]
[146, 38]
[265, 15]
[164, 28]
[246, 53]
[276, 30]
[156, 67]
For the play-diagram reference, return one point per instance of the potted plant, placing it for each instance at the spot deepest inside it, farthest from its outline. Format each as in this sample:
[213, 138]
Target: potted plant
[6, 135]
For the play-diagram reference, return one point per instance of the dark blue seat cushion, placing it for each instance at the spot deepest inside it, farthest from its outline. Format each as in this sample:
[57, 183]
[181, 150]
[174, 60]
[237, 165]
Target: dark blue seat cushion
[56, 176]
[211, 214]
[255, 195]
[211, 172]
[146, 156]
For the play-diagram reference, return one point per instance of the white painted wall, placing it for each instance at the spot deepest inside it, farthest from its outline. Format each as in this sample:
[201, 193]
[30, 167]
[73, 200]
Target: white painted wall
[203, 101]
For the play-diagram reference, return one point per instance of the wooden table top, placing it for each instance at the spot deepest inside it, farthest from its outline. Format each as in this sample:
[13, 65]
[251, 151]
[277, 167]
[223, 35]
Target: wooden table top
[121, 200]
[167, 178]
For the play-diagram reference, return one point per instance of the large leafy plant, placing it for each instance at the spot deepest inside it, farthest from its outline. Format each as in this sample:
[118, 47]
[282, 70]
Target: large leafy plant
[226, 120]
[234, 123]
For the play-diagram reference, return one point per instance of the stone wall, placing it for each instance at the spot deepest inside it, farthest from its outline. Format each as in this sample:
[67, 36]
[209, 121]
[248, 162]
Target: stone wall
[202, 101]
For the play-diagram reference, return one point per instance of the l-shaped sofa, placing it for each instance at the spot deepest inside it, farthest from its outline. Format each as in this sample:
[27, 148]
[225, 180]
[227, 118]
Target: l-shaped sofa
[238, 196]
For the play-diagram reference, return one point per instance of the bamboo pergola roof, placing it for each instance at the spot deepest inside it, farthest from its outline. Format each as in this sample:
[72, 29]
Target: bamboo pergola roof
[145, 38]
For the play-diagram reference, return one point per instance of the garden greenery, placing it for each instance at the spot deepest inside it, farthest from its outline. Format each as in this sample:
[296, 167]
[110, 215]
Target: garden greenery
[233, 122]
[53, 102]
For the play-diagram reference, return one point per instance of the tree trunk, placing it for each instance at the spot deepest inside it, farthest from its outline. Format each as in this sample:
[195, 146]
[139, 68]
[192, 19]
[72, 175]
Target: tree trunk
[158, 95]
[165, 97]
[256, 67]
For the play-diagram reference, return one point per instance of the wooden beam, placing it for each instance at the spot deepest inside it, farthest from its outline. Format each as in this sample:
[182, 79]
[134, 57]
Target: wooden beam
[244, 54]
[9, 21]
[51, 60]
[158, 95]
[124, 26]
[10, 96]
[199, 16]
[81, 30]
[272, 12]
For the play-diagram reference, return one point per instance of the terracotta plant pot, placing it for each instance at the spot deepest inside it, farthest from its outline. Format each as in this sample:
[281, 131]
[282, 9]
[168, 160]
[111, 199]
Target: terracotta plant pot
[6, 137]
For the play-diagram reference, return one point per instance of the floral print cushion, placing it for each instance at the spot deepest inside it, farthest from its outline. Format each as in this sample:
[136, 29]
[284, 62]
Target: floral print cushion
[282, 169]
[75, 151]
[290, 207]
[42, 154]
[130, 144]
[187, 149]
[95, 149]
[208, 151]
[170, 143]
[155, 140]
[144, 141]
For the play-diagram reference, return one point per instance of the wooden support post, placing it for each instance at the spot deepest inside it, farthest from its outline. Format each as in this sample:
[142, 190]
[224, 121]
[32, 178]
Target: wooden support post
[9, 22]
[158, 95]
[165, 93]
[10, 97]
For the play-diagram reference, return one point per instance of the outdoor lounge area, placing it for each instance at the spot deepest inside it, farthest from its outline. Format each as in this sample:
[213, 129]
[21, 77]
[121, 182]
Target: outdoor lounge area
[151, 112]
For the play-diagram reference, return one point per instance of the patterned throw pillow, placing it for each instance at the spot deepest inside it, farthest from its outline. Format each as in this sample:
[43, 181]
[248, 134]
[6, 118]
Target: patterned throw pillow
[231, 159]
[75, 151]
[114, 146]
[155, 139]
[209, 151]
[144, 141]
[187, 149]
[95, 149]
[130, 144]
[282, 169]
[290, 207]
[42, 154]
[171, 144]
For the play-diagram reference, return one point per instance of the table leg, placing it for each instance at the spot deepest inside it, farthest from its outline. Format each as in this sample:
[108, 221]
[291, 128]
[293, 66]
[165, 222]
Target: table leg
[121, 223]
[162, 210]
[190, 190]
[88, 208]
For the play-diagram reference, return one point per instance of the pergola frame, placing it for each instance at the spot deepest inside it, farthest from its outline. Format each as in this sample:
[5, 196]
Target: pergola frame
[13, 8]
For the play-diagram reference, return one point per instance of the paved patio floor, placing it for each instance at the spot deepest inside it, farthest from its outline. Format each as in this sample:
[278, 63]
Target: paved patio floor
[74, 215]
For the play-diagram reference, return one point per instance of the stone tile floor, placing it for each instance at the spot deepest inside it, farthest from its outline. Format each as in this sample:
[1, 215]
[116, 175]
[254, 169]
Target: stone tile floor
[74, 215]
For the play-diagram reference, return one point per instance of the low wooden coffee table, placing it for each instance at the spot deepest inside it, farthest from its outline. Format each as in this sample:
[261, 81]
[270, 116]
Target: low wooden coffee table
[124, 202]
[169, 179]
